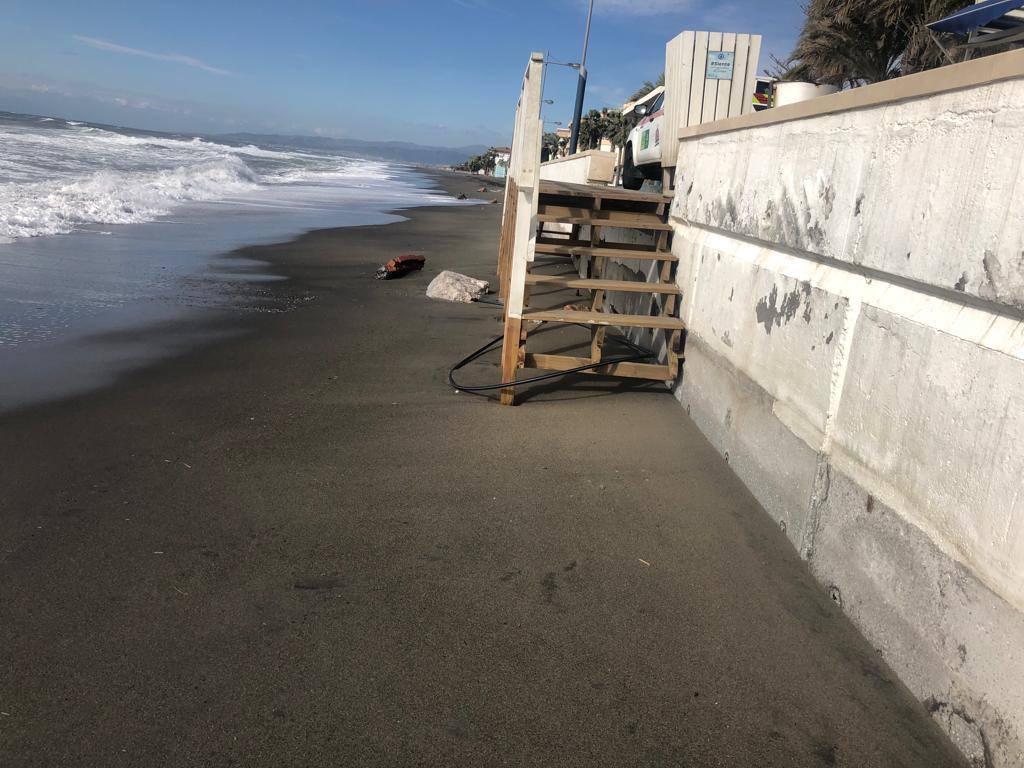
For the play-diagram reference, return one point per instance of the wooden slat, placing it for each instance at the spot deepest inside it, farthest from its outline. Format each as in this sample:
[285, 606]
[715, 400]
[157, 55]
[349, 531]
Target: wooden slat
[647, 371]
[626, 220]
[700, 66]
[710, 86]
[739, 79]
[724, 98]
[750, 82]
[547, 240]
[630, 286]
[603, 318]
[567, 189]
[572, 249]
[678, 77]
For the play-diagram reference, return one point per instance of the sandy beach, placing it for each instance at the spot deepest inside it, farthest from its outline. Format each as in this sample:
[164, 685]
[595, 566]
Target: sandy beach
[297, 546]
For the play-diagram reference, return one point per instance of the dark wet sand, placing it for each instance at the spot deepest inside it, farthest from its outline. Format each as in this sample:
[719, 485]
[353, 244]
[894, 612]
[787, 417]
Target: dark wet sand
[299, 547]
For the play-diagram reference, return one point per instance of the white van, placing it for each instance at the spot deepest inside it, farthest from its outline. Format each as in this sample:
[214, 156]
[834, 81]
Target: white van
[641, 157]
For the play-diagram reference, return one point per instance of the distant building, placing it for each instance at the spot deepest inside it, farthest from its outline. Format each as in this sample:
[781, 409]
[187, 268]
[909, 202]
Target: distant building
[502, 157]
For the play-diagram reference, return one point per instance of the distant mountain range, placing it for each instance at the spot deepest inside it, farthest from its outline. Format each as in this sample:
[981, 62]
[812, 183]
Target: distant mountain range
[401, 151]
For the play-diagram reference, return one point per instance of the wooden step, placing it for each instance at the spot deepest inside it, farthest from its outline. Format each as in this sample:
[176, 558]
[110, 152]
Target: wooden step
[629, 370]
[604, 318]
[556, 238]
[572, 281]
[559, 214]
[570, 249]
[567, 189]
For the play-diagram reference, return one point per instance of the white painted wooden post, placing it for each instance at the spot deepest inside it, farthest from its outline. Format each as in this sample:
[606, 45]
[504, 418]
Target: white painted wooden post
[527, 178]
[527, 146]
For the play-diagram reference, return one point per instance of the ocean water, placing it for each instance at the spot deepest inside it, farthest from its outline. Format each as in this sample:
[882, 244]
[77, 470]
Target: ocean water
[112, 241]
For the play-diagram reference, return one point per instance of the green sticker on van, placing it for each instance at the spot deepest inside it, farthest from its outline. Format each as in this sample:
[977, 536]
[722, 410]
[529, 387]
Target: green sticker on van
[645, 140]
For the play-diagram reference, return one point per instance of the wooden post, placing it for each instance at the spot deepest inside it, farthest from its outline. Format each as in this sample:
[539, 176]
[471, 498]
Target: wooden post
[597, 334]
[507, 236]
[526, 147]
[508, 213]
[510, 357]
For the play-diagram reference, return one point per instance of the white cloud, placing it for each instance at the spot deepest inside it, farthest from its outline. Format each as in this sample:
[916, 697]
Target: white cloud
[60, 94]
[176, 58]
[641, 7]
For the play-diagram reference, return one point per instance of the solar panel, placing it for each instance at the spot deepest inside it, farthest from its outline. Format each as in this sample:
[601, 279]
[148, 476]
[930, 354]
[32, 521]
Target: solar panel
[991, 14]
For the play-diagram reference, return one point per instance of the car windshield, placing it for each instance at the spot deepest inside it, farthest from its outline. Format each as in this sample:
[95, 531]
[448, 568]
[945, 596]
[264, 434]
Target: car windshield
[657, 105]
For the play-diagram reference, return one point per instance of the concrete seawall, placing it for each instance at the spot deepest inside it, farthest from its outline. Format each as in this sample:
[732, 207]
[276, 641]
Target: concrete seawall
[853, 277]
[854, 284]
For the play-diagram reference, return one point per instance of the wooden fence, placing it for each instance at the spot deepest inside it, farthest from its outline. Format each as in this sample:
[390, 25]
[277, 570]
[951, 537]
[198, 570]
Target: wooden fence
[693, 96]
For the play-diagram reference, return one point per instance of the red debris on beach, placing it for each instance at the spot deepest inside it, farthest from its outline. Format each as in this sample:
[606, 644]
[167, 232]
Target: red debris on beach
[399, 266]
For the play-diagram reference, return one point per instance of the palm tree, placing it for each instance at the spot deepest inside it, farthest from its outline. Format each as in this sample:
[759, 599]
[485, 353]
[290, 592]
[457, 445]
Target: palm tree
[855, 42]
[607, 123]
[647, 87]
[912, 17]
[592, 129]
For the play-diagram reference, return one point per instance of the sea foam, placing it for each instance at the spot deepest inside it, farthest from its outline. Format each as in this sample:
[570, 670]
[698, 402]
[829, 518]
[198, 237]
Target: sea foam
[64, 176]
[112, 197]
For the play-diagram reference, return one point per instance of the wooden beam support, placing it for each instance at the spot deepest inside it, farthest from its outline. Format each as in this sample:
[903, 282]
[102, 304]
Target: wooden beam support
[647, 371]
[510, 357]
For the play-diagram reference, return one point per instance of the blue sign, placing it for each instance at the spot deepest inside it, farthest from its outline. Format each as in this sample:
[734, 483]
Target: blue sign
[720, 65]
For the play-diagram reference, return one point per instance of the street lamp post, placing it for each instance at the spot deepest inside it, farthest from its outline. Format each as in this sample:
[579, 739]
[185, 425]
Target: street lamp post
[581, 86]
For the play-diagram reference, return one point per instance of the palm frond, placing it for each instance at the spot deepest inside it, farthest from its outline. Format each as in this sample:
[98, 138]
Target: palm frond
[854, 42]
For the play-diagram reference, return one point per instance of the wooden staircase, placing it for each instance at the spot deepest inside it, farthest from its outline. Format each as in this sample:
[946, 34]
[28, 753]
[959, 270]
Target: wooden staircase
[556, 225]
[570, 222]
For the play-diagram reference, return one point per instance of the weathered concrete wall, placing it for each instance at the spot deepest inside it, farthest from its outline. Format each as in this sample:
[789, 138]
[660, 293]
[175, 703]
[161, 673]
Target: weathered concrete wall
[590, 167]
[854, 288]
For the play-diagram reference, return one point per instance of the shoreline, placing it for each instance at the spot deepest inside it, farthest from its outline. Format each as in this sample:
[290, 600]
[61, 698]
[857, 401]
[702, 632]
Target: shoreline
[254, 286]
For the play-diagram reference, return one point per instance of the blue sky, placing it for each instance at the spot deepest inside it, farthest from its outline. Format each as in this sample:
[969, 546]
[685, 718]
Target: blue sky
[443, 72]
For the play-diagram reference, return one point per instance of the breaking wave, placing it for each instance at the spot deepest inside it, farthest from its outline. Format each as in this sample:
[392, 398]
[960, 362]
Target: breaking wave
[64, 176]
[111, 197]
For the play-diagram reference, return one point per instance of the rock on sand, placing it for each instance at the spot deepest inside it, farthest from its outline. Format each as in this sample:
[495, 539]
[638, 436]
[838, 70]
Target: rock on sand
[451, 286]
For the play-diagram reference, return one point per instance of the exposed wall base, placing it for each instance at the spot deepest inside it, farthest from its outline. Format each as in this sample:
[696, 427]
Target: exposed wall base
[951, 640]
